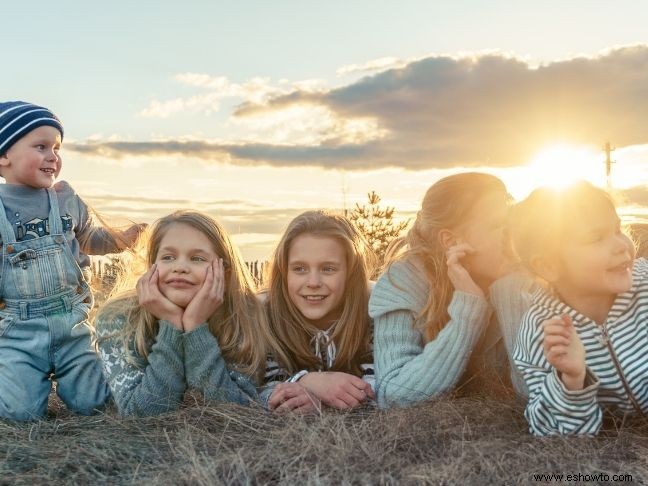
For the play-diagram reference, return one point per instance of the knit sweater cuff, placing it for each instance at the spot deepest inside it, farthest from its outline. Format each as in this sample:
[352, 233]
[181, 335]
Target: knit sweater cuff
[199, 340]
[468, 308]
[170, 335]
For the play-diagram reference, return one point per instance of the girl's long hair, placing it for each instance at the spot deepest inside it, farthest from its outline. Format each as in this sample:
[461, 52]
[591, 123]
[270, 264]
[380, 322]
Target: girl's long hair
[240, 324]
[351, 333]
[447, 204]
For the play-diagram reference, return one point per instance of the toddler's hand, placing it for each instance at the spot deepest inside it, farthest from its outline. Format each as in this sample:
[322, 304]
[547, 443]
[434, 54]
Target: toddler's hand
[152, 300]
[129, 236]
[208, 299]
[564, 350]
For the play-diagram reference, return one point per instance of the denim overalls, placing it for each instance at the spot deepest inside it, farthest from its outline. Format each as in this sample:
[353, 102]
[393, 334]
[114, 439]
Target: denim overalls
[44, 309]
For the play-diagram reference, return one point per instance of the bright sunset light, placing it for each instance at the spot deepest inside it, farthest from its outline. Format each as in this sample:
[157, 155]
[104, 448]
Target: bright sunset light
[558, 166]
[315, 107]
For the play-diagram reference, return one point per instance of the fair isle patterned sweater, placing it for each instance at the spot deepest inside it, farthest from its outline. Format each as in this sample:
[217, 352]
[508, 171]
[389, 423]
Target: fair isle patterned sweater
[554, 410]
[176, 361]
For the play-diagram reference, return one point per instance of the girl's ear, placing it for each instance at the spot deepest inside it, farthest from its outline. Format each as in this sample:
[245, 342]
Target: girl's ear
[546, 267]
[447, 238]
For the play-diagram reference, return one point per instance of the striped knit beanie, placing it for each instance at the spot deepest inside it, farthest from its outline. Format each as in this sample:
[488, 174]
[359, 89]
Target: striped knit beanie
[18, 118]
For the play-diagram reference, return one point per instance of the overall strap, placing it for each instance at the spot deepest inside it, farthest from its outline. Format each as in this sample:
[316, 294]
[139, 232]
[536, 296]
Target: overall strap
[56, 226]
[6, 230]
[8, 237]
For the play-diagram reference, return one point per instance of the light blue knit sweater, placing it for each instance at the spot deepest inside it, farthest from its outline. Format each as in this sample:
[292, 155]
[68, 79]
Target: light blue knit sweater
[409, 370]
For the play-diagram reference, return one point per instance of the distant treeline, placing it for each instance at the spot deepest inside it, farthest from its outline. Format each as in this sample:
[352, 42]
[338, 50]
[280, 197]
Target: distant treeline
[106, 272]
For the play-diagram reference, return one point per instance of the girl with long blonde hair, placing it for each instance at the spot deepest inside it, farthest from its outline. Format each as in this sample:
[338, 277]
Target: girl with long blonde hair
[317, 298]
[432, 308]
[188, 318]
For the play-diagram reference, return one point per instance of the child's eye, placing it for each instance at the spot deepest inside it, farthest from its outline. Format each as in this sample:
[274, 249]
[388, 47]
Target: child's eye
[40, 146]
[166, 258]
[197, 258]
[329, 269]
[299, 269]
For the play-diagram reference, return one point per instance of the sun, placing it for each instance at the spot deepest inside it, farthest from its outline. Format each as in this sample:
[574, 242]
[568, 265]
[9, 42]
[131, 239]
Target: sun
[557, 166]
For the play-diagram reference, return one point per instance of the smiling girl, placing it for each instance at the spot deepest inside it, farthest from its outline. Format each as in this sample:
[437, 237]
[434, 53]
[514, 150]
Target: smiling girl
[582, 346]
[317, 305]
[193, 321]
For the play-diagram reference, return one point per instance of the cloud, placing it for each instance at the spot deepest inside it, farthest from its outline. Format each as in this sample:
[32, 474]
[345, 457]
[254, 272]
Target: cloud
[374, 65]
[256, 90]
[237, 215]
[438, 112]
[207, 104]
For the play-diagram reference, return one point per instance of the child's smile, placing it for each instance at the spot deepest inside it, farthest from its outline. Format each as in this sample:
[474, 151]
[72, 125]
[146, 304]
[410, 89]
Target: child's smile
[597, 262]
[182, 261]
[34, 160]
[317, 278]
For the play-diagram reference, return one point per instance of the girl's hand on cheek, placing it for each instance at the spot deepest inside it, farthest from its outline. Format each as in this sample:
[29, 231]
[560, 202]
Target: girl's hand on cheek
[459, 276]
[293, 397]
[338, 390]
[564, 351]
[208, 299]
[151, 299]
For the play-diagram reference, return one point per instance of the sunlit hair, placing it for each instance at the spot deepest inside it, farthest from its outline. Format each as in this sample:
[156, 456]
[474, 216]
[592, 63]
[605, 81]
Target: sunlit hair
[293, 331]
[639, 232]
[541, 224]
[447, 204]
[239, 324]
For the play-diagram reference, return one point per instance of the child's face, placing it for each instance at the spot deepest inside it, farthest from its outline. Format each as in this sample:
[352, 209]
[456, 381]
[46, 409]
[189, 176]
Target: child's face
[317, 272]
[485, 233]
[33, 160]
[182, 261]
[596, 260]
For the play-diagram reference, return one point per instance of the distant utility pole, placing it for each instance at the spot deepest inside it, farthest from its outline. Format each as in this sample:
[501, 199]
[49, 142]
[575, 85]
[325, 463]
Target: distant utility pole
[608, 164]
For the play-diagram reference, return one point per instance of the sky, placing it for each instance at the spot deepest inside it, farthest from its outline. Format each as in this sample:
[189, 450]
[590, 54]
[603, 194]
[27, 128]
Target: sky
[255, 111]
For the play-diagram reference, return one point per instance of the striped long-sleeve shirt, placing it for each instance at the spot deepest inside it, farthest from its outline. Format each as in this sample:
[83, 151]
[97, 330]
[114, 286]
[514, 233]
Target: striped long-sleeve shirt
[553, 409]
[275, 373]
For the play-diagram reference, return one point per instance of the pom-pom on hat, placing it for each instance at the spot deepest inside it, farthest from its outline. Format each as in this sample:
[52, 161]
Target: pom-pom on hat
[18, 118]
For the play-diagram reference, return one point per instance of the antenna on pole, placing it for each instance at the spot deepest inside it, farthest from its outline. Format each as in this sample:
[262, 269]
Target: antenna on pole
[608, 164]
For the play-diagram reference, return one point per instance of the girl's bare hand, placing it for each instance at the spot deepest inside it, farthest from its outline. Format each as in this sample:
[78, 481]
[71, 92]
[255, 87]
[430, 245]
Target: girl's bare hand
[293, 397]
[151, 299]
[564, 351]
[459, 276]
[337, 389]
[208, 299]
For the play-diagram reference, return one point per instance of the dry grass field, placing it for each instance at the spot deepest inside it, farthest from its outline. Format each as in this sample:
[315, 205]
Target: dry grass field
[463, 440]
[456, 440]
